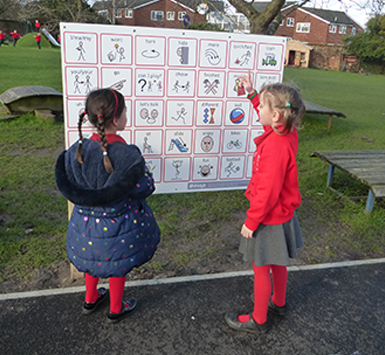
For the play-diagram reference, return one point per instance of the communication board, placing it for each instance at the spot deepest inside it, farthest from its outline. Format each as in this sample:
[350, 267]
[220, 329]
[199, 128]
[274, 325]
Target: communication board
[186, 109]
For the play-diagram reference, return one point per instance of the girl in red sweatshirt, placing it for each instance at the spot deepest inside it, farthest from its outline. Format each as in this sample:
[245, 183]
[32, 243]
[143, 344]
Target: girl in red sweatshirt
[15, 37]
[271, 234]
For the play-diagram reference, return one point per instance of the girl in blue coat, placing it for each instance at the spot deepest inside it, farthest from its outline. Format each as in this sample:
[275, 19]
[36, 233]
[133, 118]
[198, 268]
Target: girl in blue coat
[112, 229]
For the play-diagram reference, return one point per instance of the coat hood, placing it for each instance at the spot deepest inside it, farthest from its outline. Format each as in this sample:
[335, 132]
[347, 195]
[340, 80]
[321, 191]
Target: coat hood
[89, 184]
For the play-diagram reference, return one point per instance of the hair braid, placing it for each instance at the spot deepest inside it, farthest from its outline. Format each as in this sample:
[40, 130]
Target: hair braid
[104, 144]
[80, 142]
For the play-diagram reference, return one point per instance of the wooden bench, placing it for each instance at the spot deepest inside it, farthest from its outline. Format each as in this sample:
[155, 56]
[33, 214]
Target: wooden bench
[368, 166]
[321, 110]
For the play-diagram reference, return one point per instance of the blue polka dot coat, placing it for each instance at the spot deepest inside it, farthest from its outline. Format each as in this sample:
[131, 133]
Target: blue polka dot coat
[112, 228]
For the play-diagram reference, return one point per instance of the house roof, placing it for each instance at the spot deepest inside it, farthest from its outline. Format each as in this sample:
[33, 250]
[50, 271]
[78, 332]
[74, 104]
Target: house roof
[330, 16]
[134, 4]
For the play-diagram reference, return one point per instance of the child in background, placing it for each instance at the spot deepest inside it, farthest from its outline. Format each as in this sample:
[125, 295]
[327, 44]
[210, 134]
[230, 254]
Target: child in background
[112, 229]
[15, 37]
[2, 36]
[271, 232]
[38, 39]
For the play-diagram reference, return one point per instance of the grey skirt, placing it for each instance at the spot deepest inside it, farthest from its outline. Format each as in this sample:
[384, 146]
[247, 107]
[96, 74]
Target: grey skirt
[273, 244]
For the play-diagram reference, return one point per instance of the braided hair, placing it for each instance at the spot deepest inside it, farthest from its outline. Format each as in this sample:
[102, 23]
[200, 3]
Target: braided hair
[101, 107]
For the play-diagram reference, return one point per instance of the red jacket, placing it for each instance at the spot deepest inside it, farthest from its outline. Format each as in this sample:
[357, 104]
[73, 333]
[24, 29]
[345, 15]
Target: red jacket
[15, 35]
[273, 188]
[2, 36]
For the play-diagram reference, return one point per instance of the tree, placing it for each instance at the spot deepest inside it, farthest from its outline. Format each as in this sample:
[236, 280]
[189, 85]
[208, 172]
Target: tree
[369, 46]
[9, 9]
[51, 12]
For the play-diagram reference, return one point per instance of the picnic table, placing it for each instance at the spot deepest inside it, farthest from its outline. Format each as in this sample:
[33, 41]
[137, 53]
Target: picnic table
[367, 166]
[322, 110]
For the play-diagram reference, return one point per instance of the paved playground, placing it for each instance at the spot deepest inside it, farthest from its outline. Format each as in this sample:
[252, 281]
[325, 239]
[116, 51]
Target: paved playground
[333, 311]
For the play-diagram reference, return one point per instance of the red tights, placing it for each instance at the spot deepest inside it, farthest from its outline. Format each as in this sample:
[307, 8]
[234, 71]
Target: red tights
[116, 291]
[262, 290]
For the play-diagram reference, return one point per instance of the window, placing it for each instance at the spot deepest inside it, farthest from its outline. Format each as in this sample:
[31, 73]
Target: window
[342, 29]
[354, 31]
[333, 29]
[290, 22]
[157, 16]
[281, 24]
[181, 16]
[170, 15]
[119, 13]
[303, 27]
[128, 13]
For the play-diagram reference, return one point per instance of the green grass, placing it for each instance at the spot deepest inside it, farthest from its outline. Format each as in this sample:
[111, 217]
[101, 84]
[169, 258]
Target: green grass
[33, 215]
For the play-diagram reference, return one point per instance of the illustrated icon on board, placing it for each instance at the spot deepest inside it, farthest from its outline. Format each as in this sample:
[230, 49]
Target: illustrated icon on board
[177, 164]
[150, 53]
[81, 51]
[239, 88]
[179, 144]
[234, 144]
[237, 115]
[212, 56]
[244, 59]
[118, 52]
[231, 169]
[211, 87]
[205, 170]
[207, 144]
[269, 60]
[88, 84]
[180, 115]
[208, 118]
[118, 85]
[150, 118]
[182, 52]
[146, 146]
[185, 87]
[77, 83]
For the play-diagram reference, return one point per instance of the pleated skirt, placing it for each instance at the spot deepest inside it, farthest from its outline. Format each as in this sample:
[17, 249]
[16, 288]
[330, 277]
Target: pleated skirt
[273, 244]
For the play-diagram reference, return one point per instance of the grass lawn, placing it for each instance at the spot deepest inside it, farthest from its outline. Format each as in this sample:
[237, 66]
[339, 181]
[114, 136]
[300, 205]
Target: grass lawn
[33, 215]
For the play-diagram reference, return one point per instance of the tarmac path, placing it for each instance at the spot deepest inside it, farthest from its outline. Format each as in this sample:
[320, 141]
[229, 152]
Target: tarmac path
[333, 311]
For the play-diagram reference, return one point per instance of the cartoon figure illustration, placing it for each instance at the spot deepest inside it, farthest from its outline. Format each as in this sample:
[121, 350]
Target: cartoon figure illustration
[207, 144]
[205, 170]
[81, 51]
[111, 56]
[181, 115]
[160, 86]
[212, 56]
[150, 53]
[87, 84]
[179, 144]
[149, 117]
[121, 54]
[177, 164]
[76, 84]
[186, 87]
[182, 52]
[231, 169]
[239, 88]
[244, 59]
[146, 146]
[237, 144]
[176, 86]
[149, 86]
[211, 87]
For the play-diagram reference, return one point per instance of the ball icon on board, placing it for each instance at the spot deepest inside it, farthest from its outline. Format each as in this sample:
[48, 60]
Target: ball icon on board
[237, 116]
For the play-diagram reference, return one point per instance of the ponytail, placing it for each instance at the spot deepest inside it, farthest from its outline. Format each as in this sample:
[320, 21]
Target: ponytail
[80, 142]
[104, 144]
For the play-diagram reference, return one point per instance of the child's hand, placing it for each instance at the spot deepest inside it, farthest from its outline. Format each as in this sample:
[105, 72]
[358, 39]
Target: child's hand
[246, 232]
[246, 82]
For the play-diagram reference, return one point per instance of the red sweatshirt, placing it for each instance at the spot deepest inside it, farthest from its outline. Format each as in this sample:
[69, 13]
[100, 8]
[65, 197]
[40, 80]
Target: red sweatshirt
[38, 38]
[15, 35]
[273, 188]
[2, 36]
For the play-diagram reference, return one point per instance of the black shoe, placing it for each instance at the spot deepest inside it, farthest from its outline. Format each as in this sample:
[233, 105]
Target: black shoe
[279, 311]
[91, 307]
[127, 308]
[250, 326]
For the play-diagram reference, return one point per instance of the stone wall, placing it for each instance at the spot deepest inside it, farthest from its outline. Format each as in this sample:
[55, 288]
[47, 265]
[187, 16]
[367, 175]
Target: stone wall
[326, 56]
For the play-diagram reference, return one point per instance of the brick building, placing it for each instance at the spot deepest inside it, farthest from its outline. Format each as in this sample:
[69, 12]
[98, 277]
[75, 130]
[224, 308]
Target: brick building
[150, 13]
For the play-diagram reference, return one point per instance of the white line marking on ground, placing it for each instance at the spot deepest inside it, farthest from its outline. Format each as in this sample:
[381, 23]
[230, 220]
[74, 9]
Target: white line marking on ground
[170, 280]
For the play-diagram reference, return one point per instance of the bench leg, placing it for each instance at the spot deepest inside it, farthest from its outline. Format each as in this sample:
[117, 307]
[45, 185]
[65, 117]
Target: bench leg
[330, 176]
[330, 122]
[369, 203]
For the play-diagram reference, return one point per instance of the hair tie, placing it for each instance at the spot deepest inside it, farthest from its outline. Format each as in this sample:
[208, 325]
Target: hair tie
[116, 102]
[100, 116]
[105, 153]
[288, 104]
[80, 141]
[84, 113]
